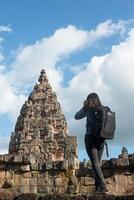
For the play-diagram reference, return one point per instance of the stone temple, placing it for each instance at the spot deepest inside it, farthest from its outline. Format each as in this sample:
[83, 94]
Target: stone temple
[41, 128]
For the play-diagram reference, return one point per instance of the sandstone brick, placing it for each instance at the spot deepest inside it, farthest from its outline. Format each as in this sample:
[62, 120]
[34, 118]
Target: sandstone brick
[86, 189]
[44, 189]
[59, 189]
[2, 175]
[74, 180]
[1, 158]
[1, 182]
[24, 189]
[17, 159]
[41, 181]
[9, 174]
[33, 189]
[35, 174]
[58, 182]
[2, 166]
[17, 179]
[27, 174]
[88, 181]
[25, 168]
[24, 182]
[33, 181]
[8, 184]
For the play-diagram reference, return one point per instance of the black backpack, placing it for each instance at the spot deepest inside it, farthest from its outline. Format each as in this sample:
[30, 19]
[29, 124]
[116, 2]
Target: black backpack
[103, 123]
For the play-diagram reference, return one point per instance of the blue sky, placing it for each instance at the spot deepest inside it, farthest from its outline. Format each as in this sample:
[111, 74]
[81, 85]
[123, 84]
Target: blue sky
[101, 29]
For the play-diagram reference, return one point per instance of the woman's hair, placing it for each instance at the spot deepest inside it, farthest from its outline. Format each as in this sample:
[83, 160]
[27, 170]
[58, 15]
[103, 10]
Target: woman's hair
[92, 101]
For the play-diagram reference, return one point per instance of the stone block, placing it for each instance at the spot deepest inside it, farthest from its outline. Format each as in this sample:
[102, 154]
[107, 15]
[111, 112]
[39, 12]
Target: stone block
[7, 158]
[34, 166]
[35, 174]
[8, 184]
[44, 189]
[24, 182]
[33, 181]
[81, 180]
[123, 162]
[65, 165]
[17, 159]
[60, 165]
[33, 189]
[2, 175]
[60, 189]
[24, 189]
[1, 158]
[74, 180]
[27, 174]
[25, 168]
[48, 165]
[58, 182]
[17, 179]
[86, 189]
[25, 159]
[9, 174]
[88, 181]
[42, 181]
[119, 163]
[106, 164]
[1, 182]
[2, 166]
[71, 189]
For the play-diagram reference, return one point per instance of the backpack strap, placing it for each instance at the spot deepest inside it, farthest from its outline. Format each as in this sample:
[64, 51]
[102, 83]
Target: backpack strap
[107, 152]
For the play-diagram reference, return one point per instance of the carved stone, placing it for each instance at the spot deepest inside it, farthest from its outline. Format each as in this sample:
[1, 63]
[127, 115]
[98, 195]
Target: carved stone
[41, 129]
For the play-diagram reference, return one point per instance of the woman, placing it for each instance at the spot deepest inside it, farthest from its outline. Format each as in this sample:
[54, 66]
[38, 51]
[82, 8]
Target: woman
[94, 145]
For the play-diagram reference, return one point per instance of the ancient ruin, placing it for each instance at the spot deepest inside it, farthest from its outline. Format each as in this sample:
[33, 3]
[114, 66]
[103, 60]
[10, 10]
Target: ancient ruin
[43, 157]
[41, 129]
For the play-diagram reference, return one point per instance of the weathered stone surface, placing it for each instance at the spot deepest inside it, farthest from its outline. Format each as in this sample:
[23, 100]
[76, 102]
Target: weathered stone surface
[1, 158]
[34, 166]
[33, 181]
[3, 166]
[33, 189]
[7, 184]
[9, 174]
[27, 174]
[121, 162]
[24, 189]
[2, 175]
[40, 133]
[25, 168]
[48, 165]
[88, 181]
[17, 159]
[58, 182]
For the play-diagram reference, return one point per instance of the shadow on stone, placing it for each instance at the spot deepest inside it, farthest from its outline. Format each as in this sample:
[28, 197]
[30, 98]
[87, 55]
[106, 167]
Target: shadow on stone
[26, 197]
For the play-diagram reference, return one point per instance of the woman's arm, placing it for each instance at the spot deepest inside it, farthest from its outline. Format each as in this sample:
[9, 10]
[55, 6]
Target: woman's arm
[81, 113]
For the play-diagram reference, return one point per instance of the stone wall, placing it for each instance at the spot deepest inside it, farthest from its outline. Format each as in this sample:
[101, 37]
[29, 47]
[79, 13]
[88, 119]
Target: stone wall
[18, 174]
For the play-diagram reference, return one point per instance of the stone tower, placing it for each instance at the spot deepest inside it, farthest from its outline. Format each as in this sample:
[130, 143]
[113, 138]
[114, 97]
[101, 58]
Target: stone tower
[41, 128]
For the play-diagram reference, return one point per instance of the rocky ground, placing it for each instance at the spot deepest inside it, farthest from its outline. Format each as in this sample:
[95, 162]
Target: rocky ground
[28, 196]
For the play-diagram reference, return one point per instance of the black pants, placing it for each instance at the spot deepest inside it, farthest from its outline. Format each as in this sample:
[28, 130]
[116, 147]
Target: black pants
[94, 148]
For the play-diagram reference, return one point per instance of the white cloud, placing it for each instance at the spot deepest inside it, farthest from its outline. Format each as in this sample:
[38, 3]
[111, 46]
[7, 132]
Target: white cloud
[9, 101]
[48, 51]
[5, 29]
[4, 141]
